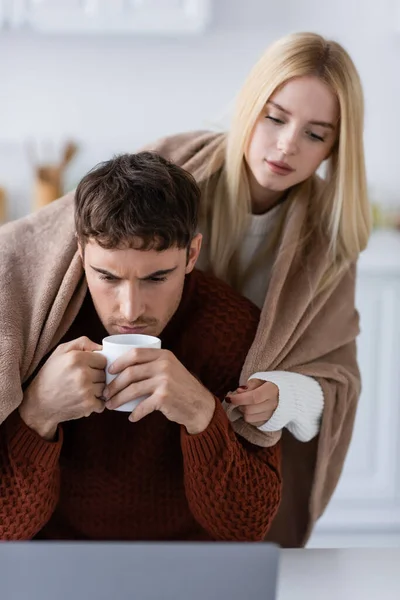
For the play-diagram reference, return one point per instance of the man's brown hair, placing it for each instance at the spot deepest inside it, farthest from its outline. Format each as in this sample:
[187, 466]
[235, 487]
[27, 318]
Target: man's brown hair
[137, 200]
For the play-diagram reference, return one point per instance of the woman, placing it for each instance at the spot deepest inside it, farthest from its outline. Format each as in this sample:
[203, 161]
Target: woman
[289, 240]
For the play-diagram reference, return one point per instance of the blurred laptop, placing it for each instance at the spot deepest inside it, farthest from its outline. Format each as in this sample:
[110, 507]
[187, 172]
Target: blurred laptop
[137, 571]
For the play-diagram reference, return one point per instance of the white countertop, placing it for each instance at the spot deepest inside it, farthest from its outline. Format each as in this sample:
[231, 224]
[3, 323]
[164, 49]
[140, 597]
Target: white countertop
[348, 574]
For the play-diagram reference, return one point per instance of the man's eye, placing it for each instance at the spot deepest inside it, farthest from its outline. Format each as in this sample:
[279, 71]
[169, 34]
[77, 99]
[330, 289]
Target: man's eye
[157, 279]
[107, 277]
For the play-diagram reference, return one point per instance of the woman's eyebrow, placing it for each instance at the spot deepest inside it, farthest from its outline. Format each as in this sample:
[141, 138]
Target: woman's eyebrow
[319, 123]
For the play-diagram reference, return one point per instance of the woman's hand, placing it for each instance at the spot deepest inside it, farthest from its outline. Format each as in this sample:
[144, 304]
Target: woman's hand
[257, 401]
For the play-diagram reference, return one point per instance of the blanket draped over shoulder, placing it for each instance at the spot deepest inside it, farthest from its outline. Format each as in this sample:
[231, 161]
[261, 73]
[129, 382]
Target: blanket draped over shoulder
[42, 287]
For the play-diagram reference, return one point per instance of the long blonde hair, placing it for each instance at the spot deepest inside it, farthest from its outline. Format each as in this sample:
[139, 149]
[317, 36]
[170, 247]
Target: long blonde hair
[343, 211]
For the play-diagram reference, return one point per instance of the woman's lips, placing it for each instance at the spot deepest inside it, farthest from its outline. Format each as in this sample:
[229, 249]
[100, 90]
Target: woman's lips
[279, 168]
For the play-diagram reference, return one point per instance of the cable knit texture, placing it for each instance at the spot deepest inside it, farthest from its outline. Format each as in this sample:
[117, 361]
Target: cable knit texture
[107, 478]
[301, 404]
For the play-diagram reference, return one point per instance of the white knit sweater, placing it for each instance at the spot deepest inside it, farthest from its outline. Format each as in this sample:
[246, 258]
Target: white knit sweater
[301, 400]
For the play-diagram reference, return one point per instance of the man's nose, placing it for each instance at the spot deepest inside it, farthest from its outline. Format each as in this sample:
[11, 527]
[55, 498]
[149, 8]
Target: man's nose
[132, 306]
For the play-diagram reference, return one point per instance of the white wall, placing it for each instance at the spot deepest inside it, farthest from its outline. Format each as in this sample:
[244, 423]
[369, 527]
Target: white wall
[114, 93]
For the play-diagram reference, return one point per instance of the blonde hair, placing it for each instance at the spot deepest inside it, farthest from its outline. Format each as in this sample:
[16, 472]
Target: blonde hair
[342, 211]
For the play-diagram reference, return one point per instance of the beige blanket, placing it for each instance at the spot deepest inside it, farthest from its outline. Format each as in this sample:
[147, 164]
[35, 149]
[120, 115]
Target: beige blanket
[42, 287]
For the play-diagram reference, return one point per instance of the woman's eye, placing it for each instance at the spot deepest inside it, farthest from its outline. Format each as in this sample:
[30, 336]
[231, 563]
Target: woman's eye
[274, 120]
[315, 137]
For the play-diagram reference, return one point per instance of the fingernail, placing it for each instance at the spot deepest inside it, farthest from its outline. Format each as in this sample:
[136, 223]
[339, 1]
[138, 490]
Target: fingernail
[227, 400]
[243, 387]
[106, 393]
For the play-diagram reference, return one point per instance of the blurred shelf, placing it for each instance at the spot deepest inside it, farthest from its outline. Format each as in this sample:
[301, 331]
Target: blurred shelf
[164, 17]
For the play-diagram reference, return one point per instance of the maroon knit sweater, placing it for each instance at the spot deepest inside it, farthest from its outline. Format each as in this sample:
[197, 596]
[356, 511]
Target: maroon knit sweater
[109, 479]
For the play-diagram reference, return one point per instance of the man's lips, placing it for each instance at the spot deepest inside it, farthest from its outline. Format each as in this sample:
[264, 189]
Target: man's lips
[135, 329]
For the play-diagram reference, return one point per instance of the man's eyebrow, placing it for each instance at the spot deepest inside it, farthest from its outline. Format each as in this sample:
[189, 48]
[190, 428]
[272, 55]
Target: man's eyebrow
[104, 272]
[319, 123]
[160, 273]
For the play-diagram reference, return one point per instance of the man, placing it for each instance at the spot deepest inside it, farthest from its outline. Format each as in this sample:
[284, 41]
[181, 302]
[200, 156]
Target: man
[73, 468]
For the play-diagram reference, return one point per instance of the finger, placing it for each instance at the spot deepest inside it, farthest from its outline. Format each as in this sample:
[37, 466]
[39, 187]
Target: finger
[134, 357]
[133, 374]
[95, 360]
[246, 398]
[82, 343]
[260, 417]
[240, 390]
[255, 420]
[98, 390]
[146, 407]
[264, 392]
[265, 408]
[252, 384]
[98, 406]
[132, 392]
[98, 376]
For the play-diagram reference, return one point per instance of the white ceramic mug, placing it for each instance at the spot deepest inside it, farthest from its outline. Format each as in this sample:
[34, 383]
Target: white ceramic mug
[117, 345]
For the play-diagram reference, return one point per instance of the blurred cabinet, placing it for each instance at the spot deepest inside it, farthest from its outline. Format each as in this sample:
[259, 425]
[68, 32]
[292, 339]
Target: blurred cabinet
[367, 499]
[3, 14]
[109, 16]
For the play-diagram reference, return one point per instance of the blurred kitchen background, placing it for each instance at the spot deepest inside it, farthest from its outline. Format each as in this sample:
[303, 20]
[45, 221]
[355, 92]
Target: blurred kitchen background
[81, 80]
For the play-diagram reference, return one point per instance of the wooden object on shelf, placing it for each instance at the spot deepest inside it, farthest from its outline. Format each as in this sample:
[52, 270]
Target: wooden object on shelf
[48, 181]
